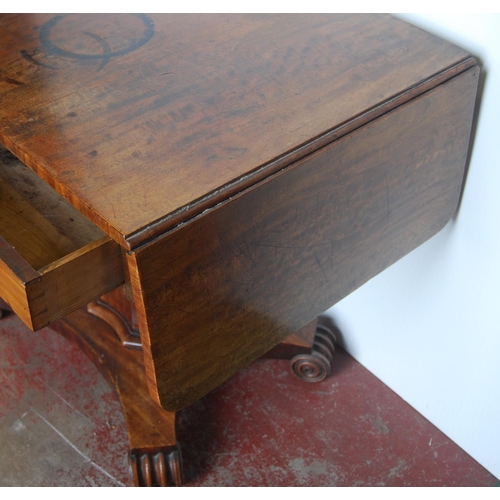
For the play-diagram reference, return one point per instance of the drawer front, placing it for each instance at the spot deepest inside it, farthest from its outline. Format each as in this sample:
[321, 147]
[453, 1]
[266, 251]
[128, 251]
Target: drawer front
[52, 259]
[40, 298]
[219, 291]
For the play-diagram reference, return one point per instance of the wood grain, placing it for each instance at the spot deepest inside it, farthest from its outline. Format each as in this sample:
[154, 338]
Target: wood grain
[269, 260]
[14, 273]
[52, 259]
[75, 280]
[41, 297]
[119, 313]
[29, 231]
[143, 122]
[67, 222]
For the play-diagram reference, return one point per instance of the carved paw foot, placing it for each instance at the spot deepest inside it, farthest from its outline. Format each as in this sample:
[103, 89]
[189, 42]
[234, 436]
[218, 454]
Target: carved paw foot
[315, 366]
[157, 468]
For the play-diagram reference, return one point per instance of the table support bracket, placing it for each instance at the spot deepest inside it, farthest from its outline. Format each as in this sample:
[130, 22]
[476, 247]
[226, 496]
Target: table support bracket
[106, 332]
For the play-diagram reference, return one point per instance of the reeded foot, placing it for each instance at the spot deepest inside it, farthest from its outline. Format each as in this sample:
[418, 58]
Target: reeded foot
[163, 468]
[315, 366]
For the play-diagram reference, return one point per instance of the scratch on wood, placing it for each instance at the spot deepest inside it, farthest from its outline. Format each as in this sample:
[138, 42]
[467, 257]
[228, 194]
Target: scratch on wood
[321, 267]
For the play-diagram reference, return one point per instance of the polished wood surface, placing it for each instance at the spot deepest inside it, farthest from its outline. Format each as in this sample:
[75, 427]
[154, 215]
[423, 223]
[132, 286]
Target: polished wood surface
[255, 170]
[37, 221]
[142, 122]
[219, 291]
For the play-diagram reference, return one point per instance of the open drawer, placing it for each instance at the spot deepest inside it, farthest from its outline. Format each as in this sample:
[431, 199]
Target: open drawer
[52, 259]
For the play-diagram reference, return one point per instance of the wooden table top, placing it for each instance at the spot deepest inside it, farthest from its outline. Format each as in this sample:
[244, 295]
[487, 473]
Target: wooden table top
[142, 121]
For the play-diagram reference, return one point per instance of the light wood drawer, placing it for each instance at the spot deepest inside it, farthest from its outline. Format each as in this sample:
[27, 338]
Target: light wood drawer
[52, 259]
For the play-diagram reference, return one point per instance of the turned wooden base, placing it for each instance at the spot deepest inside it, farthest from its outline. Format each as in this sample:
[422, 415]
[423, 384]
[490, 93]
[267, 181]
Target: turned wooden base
[107, 332]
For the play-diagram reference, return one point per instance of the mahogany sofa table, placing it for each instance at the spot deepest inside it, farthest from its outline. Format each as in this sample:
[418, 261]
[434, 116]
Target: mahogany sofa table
[181, 193]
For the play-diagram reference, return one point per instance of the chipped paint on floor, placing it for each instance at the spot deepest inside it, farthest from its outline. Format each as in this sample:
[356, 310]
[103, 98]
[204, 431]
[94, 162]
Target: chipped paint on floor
[61, 425]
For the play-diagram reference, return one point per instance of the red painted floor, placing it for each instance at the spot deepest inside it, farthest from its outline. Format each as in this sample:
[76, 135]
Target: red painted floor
[60, 425]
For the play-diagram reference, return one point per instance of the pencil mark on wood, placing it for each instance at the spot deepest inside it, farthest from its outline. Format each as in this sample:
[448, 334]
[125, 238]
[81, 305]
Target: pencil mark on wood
[106, 49]
[49, 46]
[29, 57]
[321, 268]
[10, 80]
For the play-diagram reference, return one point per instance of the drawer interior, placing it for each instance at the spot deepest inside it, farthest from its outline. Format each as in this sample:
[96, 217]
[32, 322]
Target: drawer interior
[53, 260]
[36, 220]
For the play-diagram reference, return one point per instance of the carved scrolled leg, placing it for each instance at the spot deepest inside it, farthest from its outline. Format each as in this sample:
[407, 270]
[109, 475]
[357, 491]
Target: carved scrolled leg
[119, 313]
[106, 333]
[158, 468]
[315, 366]
[310, 351]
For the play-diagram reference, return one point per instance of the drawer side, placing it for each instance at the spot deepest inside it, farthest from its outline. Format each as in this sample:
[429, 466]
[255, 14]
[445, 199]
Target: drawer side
[14, 273]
